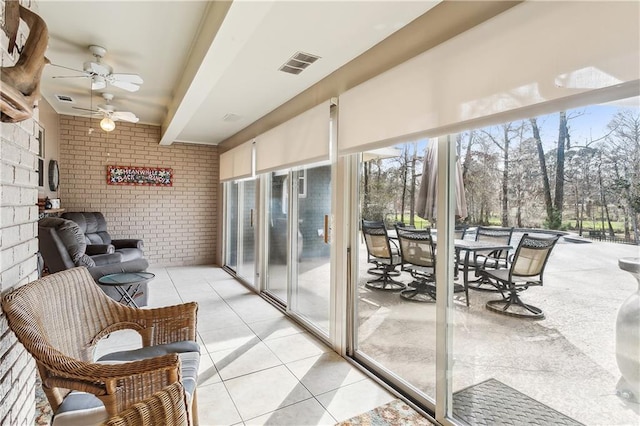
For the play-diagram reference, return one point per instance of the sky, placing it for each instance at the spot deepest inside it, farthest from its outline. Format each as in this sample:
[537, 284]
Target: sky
[588, 123]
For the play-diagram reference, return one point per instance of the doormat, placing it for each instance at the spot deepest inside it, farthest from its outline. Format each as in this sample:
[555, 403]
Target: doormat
[394, 413]
[493, 403]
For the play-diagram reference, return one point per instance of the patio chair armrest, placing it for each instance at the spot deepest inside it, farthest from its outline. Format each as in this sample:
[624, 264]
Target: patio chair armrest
[394, 243]
[167, 324]
[71, 369]
[394, 246]
[482, 259]
[140, 379]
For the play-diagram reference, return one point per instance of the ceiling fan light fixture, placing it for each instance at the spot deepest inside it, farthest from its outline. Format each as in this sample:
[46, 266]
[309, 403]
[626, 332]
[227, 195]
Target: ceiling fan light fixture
[107, 124]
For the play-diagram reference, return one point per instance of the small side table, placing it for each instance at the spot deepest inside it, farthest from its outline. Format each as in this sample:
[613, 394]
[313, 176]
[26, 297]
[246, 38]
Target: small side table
[130, 280]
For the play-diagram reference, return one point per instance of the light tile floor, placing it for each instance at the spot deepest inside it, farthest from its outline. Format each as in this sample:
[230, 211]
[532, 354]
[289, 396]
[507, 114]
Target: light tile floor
[258, 367]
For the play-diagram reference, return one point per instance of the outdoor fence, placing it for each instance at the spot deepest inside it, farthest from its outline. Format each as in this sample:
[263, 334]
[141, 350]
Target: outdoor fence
[603, 236]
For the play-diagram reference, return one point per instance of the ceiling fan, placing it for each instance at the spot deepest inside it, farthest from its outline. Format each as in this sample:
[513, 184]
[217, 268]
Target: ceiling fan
[110, 114]
[102, 74]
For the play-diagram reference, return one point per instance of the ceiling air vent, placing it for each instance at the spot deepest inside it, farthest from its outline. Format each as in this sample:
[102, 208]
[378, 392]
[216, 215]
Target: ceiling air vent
[66, 99]
[298, 63]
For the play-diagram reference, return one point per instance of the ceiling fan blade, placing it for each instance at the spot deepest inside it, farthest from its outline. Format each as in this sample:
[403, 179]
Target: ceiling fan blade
[130, 87]
[98, 84]
[67, 68]
[128, 78]
[96, 68]
[87, 109]
[125, 116]
[106, 108]
[69, 76]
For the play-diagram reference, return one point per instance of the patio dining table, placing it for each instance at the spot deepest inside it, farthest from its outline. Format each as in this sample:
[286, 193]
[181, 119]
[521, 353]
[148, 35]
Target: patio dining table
[470, 248]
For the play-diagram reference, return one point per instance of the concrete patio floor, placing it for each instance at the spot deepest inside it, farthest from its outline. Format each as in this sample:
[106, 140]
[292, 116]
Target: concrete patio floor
[565, 361]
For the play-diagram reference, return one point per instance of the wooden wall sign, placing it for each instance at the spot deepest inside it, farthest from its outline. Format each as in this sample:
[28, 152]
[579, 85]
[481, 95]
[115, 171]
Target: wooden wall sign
[131, 175]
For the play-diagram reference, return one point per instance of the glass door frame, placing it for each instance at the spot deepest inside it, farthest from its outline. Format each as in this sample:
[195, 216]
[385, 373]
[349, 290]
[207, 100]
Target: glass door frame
[226, 190]
[292, 250]
[337, 293]
[254, 283]
[239, 231]
[264, 239]
[441, 406]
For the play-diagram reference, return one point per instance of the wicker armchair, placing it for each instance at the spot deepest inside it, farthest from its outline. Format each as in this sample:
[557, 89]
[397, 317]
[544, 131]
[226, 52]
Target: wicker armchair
[61, 317]
[165, 408]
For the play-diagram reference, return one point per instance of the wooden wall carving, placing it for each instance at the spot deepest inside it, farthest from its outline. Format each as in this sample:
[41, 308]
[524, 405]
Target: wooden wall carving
[20, 87]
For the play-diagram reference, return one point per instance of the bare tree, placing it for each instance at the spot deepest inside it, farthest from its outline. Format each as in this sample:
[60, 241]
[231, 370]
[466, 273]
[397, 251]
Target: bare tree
[481, 176]
[555, 209]
[558, 200]
[412, 187]
[623, 150]
[546, 188]
[508, 131]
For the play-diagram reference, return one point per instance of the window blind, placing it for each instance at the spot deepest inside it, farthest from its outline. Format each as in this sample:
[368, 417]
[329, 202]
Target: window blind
[533, 59]
[302, 140]
[237, 163]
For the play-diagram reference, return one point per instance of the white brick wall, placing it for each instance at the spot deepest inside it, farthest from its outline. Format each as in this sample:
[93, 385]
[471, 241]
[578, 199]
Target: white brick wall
[18, 247]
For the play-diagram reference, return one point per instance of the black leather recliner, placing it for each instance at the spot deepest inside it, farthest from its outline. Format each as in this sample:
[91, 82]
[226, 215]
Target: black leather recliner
[94, 227]
[63, 246]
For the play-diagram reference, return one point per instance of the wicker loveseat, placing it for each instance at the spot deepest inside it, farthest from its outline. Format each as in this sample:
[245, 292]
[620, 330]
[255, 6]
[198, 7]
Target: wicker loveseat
[61, 317]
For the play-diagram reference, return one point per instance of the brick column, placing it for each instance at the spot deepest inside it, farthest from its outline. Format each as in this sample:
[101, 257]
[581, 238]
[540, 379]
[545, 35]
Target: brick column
[18, 247]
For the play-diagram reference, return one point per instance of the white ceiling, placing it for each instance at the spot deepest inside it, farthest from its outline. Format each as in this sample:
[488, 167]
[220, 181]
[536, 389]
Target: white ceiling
[195, 70]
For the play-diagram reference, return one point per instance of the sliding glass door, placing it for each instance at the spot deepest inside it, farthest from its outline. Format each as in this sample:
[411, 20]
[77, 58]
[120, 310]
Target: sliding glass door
[277, 237]
[241, 231]
[310, 289]
[394, 329]
[298, 270]
[247, 231]
[231, 225]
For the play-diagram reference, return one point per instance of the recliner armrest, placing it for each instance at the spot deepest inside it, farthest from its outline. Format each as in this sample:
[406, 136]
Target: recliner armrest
[107, 259]
[128, 243]
[93, 249]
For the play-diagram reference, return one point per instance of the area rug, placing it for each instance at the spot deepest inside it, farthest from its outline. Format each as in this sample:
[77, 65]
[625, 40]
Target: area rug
[493, 403]
[43, 409]
[394, 413]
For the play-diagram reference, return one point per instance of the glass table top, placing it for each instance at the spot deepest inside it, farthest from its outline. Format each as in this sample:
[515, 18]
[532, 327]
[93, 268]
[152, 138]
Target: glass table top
[126, 278]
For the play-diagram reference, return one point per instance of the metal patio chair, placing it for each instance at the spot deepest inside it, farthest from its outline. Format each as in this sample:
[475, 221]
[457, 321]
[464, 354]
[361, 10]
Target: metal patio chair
[494, 259]
[525, 270]
[418, 257]
[381, 254]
